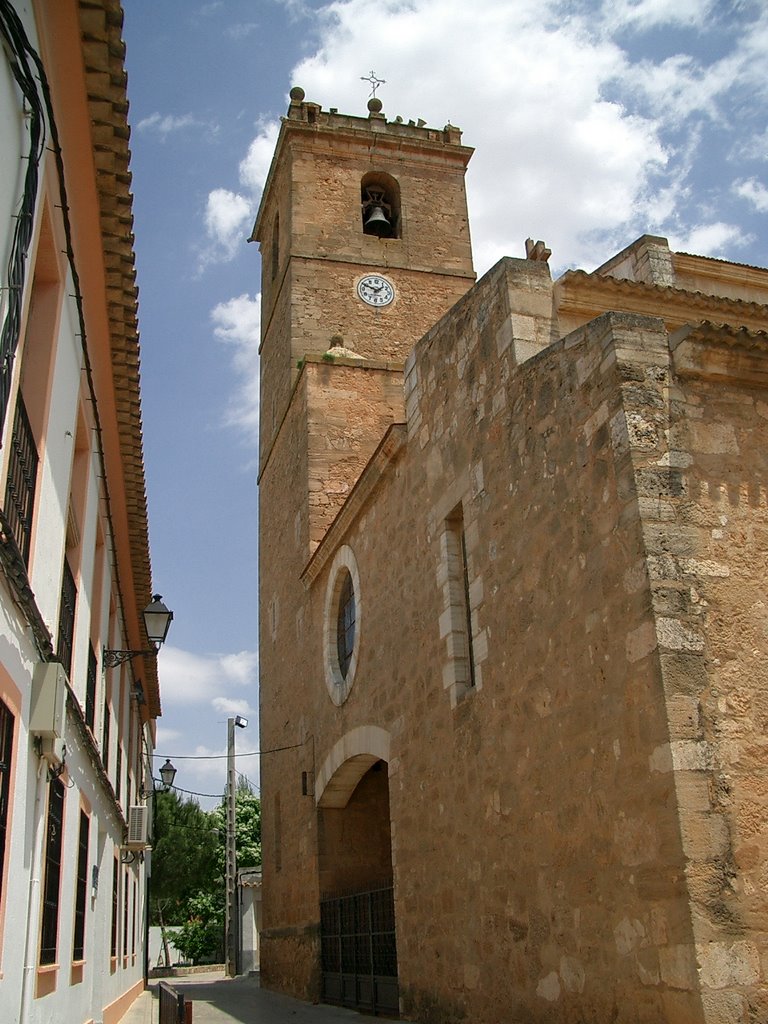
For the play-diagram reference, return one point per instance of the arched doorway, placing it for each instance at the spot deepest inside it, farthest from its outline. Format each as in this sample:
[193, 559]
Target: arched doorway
[357, 914]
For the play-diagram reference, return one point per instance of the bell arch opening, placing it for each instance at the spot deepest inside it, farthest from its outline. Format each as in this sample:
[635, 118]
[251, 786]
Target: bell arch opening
[380, 205]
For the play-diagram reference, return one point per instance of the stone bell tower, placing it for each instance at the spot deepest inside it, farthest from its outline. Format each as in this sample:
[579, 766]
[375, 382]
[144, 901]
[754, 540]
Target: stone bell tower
[364, 239]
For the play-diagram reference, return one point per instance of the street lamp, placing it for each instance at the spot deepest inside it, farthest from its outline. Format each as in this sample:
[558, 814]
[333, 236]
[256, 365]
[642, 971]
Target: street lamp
[157, 622]
[230, 908]
[167, 774]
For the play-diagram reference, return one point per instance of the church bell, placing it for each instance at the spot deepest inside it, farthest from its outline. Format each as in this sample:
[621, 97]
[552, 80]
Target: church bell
[377, 223]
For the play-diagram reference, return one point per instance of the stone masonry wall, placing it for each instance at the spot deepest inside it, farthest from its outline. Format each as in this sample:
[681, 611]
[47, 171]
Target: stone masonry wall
[349, 408]
[567, 895]
[327, 171]
[327, 306]
[699, 450]
[579, 836]
[289, 939]
[537, 856]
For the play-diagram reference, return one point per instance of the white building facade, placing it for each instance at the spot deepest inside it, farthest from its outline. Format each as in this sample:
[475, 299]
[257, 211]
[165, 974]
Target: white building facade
[76, 736]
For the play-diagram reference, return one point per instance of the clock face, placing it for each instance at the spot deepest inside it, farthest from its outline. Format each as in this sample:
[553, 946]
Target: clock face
[375, 290]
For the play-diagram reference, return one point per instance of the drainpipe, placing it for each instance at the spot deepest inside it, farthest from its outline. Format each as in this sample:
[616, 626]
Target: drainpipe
[33, 905]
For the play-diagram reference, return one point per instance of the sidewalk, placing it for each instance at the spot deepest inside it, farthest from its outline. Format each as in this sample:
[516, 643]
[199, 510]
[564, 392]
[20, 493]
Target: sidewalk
[221, 1000]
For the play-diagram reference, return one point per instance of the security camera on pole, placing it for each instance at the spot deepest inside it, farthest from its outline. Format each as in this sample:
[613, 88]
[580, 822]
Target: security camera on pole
[230, 927]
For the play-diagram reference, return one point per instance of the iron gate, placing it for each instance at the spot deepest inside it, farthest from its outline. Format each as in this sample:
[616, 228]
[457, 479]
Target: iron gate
[359, 956]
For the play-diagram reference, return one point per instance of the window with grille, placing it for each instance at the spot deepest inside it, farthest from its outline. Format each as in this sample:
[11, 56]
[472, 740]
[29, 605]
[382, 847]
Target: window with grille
[81, 888]
[22, 480]
[90, 690]
[67, 618]
[105, 736]
[49, 933]
[345, 624]
[113, 936]
[133, 923]
[6, 753]
[341, 625]
[125, 913]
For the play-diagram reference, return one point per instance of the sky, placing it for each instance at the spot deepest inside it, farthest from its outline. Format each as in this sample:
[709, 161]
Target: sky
[593, 121]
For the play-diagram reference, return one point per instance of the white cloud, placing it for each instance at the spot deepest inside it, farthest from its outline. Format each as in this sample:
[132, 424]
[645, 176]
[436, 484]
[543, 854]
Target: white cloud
[709, 239]
[216, 686]
[684, 85]
[229, 215]
[255, 165]
[243, 666]
[226, 220]
[167, 736]
[581, 139]
[555, 158]
[228, 706]
[164, 124]
[187, 678]
[754, 192]
[647, 14]
[753, 148]
[237, 324]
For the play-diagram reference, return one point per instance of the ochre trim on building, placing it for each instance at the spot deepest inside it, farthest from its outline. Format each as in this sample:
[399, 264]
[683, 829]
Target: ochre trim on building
[116, 1010]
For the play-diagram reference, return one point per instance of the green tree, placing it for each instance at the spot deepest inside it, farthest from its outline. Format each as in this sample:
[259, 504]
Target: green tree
[184, 857]
[189, 867]
[201, 938]
[247, 828]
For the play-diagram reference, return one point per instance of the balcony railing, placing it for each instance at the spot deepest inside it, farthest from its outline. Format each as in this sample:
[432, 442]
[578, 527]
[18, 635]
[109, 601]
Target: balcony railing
[22, 480]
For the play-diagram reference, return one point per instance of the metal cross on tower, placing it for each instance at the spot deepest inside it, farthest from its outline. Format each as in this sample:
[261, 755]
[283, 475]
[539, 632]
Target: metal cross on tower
[375, 82]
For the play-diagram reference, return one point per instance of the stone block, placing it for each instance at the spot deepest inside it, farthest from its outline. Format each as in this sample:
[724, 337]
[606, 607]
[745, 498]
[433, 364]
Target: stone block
[723, 964]
[677, 965]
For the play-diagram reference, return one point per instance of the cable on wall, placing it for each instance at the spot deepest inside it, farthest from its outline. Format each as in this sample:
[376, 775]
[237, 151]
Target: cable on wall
[18, 52]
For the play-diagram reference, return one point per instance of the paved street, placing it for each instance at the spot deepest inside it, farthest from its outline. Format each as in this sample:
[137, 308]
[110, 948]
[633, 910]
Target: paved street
[220, 1000]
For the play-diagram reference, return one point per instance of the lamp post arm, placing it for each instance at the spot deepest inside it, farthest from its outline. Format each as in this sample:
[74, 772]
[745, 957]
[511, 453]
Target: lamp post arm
[111, 659]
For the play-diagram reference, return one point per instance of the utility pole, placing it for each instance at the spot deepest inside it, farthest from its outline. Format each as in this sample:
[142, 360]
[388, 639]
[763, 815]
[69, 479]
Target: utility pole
[230, 919]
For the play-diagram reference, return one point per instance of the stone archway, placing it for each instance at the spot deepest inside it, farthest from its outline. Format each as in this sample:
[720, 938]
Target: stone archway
[359, 959]
[347, 762]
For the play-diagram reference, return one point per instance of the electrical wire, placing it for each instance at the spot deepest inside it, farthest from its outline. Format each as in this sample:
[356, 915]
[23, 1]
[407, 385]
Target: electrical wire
[169, 826]
[221, 757]
[191, 792]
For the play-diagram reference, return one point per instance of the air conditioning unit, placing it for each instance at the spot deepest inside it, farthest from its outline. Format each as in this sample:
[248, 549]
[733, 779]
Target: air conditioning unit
[53, 750]
[138, 827]
[48, 706]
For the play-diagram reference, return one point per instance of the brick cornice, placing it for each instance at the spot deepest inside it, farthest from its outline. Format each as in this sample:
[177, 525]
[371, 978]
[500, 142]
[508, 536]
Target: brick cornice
[103, 52]
[588, 295]
[723, 270]
[721, 352]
